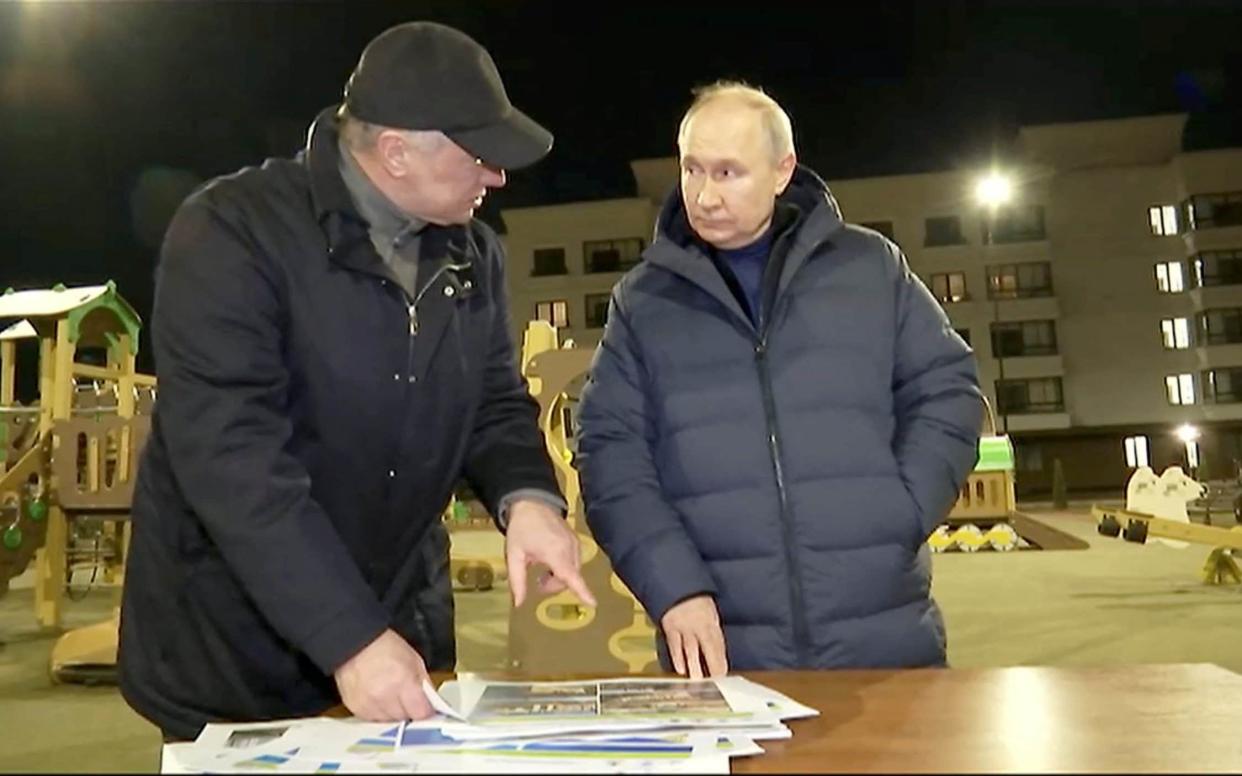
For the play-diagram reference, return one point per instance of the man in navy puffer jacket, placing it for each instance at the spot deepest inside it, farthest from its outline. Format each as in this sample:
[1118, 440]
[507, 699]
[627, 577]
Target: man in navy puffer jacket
[777, 417]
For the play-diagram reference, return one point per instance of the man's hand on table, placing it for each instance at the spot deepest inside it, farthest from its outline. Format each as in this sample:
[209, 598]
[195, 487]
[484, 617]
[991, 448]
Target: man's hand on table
[695, 637]
[384, 682]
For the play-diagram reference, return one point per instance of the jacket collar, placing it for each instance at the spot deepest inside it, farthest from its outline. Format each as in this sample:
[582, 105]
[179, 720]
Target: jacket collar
[810, 215]
[345, 228]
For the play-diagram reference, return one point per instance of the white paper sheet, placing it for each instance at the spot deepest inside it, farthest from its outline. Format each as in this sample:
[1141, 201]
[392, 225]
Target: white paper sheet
[698, 726]
[780, 704]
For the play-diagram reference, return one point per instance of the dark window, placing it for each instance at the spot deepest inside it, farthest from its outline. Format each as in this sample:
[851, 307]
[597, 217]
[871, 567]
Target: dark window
[548, 261]
[883, 227]
[1016, 223]
[1223, 386]
[1042, 394]
[1216, 268]
[949, 287]
[1019, 281]
[612, 255]
[1220, 327]
[943, 230]
[1204, 211]
[1024, 338]
[596, 310]
[1028, 457]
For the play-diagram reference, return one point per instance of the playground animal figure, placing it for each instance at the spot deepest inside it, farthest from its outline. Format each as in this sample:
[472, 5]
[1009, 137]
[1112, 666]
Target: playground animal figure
[1165, 496]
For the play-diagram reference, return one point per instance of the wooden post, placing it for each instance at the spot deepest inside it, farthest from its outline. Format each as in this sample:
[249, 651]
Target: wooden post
[121, 359]
[47, 372]
[56, 401]
[8, 377]
[8, 372]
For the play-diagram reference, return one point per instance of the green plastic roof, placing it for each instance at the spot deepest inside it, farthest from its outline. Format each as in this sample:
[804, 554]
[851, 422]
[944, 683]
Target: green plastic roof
[995, 454]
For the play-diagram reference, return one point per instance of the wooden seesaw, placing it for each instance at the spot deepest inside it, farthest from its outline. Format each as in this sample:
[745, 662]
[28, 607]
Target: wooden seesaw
[1219, 568]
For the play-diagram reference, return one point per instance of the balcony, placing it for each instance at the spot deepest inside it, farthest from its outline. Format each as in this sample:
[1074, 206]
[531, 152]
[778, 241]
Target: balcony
[1227, 411]
[1214, 356]
[1037, 421]
[1209, 297]
[1028, 367]
[1031, 308]
[1220, 238]
[1015, 224]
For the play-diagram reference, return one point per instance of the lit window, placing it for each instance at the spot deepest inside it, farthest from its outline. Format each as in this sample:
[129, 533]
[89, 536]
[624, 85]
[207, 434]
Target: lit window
[1163, 219]
[1192, 454]
[1137, 451]
[1170, 278]
[555, 312]
[1180, 388]
[949, 287]
[1176, 333]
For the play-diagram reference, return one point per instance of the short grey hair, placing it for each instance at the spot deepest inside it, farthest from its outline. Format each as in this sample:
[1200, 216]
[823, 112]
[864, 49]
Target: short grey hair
[362, 135]
[777, 128]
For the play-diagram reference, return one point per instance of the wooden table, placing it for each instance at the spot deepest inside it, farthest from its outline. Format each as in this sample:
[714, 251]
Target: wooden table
[1029, 719]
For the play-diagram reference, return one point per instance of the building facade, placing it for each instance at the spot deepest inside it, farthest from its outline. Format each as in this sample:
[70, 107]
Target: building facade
[1103, 299]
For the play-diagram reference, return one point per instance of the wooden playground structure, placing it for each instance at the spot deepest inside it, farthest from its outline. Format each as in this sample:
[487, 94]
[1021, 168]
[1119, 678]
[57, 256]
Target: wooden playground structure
[982, 518]
[67, 461]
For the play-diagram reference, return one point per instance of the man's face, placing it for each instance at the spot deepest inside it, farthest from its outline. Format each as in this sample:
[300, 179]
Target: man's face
[446, 184]
[729, 181]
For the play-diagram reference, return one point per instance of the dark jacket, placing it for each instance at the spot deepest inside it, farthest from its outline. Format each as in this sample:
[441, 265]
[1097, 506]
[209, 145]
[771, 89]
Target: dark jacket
[308, 435]
[791, 468]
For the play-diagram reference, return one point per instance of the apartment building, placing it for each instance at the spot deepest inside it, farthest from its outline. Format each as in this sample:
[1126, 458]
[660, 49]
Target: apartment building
[1102, 297]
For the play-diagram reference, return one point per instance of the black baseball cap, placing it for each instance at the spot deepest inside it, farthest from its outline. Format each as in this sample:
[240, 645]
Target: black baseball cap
[427, 76]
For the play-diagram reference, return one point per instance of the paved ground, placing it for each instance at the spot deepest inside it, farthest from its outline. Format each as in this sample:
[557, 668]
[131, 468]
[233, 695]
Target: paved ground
[1112, 603]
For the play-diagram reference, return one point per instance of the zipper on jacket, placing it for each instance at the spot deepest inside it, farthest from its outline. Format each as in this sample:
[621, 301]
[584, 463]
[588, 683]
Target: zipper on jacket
[765, 317]
[409, 348]
[801, 639]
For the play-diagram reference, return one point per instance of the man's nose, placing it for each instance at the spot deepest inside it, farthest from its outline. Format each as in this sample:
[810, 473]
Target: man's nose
[708, 196]
[493, 177]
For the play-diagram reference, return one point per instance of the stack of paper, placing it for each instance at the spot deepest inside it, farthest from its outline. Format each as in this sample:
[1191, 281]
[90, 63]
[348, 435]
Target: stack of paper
[607, 726]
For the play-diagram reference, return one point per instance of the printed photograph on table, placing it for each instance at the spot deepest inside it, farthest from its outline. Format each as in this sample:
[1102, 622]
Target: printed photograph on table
[698, 699]
[537, 700]
[244, 739]
[627, 699]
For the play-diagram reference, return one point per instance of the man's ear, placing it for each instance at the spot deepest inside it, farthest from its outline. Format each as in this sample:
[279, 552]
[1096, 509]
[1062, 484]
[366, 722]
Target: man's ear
[784, 172]
[392, 151]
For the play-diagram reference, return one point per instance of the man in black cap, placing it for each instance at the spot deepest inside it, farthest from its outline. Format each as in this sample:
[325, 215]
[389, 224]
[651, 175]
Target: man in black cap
[332, 345]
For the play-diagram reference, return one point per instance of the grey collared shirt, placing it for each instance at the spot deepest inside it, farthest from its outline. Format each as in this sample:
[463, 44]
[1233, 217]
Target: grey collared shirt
[395, 234]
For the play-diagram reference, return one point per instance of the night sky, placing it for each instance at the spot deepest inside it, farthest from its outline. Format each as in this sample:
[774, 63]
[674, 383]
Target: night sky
[111, 111]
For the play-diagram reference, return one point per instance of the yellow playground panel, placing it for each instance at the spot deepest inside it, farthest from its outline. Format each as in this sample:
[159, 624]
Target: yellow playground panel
[617, 635]
[67, 462]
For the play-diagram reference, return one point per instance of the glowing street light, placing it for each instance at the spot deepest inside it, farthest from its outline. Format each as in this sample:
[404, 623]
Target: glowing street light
[993, 190]
[1187, 433]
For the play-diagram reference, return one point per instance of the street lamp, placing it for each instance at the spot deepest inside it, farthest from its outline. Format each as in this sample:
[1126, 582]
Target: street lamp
[1189, 435]
[992, 191]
